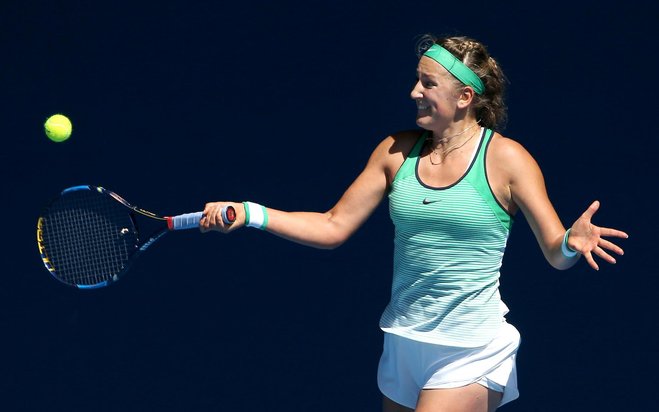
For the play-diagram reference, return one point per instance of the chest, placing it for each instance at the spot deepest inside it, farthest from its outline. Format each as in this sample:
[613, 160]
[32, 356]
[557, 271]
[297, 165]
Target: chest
[457, 212]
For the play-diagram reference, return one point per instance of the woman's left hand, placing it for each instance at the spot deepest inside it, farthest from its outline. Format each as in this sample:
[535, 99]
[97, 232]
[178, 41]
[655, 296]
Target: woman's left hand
[587, 238]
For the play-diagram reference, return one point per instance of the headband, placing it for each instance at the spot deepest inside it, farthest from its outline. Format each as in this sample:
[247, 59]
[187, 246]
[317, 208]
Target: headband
[455, 67]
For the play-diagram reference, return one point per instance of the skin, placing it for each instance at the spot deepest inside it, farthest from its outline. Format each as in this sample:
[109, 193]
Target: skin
[444, 108]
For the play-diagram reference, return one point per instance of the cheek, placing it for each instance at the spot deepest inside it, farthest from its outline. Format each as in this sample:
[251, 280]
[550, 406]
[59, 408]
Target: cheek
[438, 105]
[443, 101]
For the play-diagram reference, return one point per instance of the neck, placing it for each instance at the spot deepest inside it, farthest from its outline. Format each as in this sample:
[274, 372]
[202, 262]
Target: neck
[441, 148]
[454, 135]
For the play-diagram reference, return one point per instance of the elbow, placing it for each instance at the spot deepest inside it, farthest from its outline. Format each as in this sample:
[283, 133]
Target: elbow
[335, 235]
[332, 244]
[333, 241]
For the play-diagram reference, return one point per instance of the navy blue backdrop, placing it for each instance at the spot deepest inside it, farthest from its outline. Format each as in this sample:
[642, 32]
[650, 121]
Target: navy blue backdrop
[176, 103]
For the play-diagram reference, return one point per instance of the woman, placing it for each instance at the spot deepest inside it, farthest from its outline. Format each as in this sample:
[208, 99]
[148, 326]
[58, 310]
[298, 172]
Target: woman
[453, 188]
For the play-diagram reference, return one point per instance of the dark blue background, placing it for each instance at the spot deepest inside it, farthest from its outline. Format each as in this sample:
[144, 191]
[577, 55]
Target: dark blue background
[175, 103]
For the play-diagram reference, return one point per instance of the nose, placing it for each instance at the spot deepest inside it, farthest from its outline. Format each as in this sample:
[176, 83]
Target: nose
[416, 91]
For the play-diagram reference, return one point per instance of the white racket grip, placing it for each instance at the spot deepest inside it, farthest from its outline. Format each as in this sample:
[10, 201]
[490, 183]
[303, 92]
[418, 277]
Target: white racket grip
[185, 221]
[191, 220]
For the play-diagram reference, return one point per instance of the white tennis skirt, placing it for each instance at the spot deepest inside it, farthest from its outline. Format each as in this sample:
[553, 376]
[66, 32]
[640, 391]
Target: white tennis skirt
[407, 366]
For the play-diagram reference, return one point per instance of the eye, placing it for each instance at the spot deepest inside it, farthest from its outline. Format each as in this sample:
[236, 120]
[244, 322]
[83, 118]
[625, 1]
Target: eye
[426, 81]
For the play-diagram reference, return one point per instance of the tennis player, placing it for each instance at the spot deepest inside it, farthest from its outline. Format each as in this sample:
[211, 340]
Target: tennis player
[453, 188]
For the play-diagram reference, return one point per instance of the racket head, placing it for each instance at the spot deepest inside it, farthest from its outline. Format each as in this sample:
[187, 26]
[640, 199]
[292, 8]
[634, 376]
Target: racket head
[87, 237]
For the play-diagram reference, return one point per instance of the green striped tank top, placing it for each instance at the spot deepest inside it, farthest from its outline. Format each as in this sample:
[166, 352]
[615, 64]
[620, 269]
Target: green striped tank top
[448, 248]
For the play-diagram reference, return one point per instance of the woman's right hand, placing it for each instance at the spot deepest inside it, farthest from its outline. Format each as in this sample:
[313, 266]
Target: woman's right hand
[213, 221]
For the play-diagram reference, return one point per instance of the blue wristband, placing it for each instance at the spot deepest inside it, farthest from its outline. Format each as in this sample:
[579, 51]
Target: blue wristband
[568, 252]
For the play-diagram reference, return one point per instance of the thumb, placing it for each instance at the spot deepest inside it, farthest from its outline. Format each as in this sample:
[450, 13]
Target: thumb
[592, 209]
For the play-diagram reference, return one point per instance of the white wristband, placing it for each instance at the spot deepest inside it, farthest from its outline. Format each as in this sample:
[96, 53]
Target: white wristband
[255, 215]
[567, 251]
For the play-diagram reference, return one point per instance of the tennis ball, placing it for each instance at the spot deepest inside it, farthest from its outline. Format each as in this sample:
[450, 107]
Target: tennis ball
[58, 128]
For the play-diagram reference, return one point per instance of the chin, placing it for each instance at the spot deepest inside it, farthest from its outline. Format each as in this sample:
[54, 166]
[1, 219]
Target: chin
[423, 122]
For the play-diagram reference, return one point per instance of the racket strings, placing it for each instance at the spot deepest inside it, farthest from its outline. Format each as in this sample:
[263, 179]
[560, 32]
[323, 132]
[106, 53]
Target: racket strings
[88, 238]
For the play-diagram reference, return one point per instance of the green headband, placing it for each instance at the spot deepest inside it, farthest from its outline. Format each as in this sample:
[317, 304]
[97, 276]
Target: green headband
[455, 67]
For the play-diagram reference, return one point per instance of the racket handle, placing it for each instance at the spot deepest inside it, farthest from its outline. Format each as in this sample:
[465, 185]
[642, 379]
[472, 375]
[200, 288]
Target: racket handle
[185, 221]
[191, 220]
[228, 215]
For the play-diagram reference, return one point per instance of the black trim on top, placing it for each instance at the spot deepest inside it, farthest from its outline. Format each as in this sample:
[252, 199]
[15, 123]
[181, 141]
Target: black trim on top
[487, 178]
[473, 161]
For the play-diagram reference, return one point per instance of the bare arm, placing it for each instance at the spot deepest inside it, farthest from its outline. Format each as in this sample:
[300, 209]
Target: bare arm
[528, 191]
[321, 230]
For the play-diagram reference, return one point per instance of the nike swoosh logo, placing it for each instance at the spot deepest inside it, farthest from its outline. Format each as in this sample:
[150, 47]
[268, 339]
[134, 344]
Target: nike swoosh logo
[427, 201]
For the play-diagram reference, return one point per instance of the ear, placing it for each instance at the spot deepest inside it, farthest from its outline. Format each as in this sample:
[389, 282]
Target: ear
[466, 97]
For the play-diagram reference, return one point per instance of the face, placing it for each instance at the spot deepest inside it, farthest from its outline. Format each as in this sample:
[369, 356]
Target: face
[435, 94]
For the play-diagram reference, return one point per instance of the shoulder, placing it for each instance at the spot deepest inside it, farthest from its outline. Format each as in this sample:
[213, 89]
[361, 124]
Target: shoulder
[510, 157]
[392, 151]
[508, 151]
[399, 144]
[505, 147]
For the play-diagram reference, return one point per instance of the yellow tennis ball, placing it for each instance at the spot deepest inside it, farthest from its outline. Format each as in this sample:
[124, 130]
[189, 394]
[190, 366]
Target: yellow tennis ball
[58, 128]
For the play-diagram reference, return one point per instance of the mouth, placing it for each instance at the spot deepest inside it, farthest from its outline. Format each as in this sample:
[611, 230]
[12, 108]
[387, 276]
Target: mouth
[422, 106]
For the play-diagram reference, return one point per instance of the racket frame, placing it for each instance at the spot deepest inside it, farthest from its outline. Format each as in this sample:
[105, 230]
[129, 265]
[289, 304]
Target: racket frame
[191, 220]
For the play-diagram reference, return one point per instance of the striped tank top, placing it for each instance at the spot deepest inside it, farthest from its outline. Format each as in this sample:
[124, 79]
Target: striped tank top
[448, 248]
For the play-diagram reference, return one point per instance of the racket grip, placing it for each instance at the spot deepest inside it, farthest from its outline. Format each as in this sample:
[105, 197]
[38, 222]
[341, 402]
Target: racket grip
[191, 220]
[185, 221]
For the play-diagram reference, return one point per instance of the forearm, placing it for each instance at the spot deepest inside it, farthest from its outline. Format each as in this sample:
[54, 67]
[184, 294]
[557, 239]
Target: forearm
[318, 230]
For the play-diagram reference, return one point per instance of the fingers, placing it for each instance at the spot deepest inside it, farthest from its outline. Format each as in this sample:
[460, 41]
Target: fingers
[212, 219]
[205, 222]
[606, 231]
[601, 245]
[601, 251]
[604, 255]
[592, 209]
[611, 246]
[589, 258]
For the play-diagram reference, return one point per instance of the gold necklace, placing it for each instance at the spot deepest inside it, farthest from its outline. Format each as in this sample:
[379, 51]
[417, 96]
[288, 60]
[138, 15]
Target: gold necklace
[452, 148]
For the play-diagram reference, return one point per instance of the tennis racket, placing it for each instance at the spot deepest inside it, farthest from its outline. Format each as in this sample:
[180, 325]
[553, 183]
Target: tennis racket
[89, 236]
